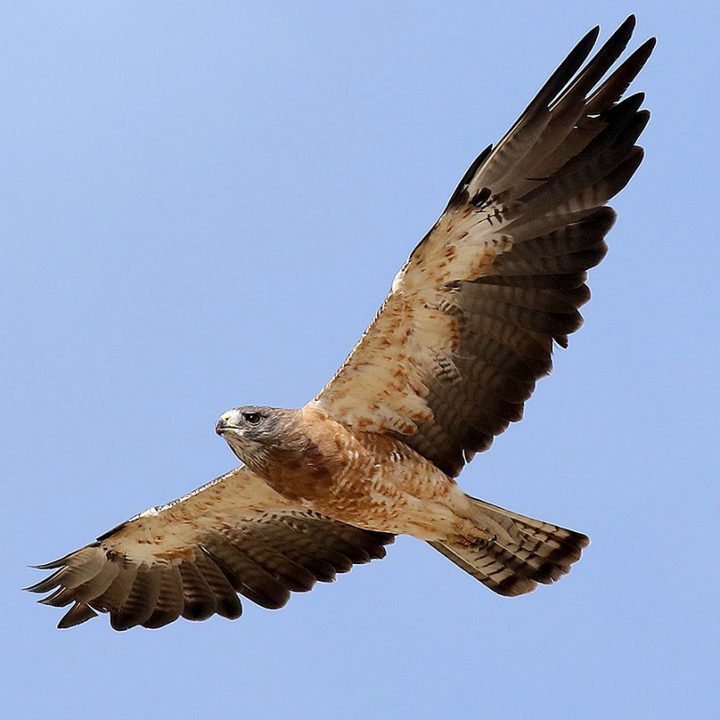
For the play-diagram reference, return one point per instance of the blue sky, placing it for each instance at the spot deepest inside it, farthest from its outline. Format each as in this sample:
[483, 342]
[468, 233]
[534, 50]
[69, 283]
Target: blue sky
[202, 206]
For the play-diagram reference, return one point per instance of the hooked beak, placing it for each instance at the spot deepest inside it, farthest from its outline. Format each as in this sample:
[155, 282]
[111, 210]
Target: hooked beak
[224, 423]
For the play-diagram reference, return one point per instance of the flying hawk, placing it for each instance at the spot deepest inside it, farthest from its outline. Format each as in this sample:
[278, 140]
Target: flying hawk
[449, 361]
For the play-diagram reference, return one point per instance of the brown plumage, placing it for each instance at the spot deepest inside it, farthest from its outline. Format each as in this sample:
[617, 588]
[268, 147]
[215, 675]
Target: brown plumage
[455, 351]
[474, 312]
[191, 557]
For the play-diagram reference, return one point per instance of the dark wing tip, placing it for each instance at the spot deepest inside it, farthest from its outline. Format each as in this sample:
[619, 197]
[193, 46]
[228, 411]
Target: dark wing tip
[79, 613]
[590, 38]
[52, 565]
[621, 36]
[629, 23]
[640, 56]
[44, 585]
[649, 45]
[571, 64]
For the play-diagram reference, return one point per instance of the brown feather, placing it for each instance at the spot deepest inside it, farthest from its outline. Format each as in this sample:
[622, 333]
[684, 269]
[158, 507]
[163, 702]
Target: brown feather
[78, 613]
[170, 603]
[141, 600]
[538, 553]
[227, 602]
[199, 600]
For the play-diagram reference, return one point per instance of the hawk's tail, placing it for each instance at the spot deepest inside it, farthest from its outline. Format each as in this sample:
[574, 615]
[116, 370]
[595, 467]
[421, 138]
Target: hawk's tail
[522, 553]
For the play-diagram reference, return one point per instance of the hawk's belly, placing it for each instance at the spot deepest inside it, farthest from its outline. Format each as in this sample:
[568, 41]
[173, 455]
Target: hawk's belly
[374, 482]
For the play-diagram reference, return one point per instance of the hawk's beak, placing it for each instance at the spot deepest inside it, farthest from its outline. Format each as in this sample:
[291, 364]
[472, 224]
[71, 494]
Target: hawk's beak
[223, 424]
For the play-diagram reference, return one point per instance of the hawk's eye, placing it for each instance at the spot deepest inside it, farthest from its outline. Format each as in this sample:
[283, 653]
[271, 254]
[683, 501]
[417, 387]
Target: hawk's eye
[252, 418]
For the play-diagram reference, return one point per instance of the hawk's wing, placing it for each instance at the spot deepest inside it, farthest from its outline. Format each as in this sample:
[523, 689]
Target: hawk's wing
[190, 557]
[468, 326]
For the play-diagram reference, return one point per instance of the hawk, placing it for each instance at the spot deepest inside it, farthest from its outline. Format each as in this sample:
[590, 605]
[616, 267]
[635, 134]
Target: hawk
[448, 362]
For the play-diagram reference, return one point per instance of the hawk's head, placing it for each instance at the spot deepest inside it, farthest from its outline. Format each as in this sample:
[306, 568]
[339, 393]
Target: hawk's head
[255, 433]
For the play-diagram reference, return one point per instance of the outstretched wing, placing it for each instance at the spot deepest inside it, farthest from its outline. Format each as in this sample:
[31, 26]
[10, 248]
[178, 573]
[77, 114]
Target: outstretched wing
[189, 558]
[469, 324]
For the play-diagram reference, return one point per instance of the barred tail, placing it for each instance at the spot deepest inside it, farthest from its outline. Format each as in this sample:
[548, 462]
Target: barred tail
[522, 553]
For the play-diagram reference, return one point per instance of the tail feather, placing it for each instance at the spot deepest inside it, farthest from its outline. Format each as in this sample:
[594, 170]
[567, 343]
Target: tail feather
[524, 553]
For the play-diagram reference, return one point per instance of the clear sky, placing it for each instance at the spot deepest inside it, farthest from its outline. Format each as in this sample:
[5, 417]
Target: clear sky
[202, 205]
